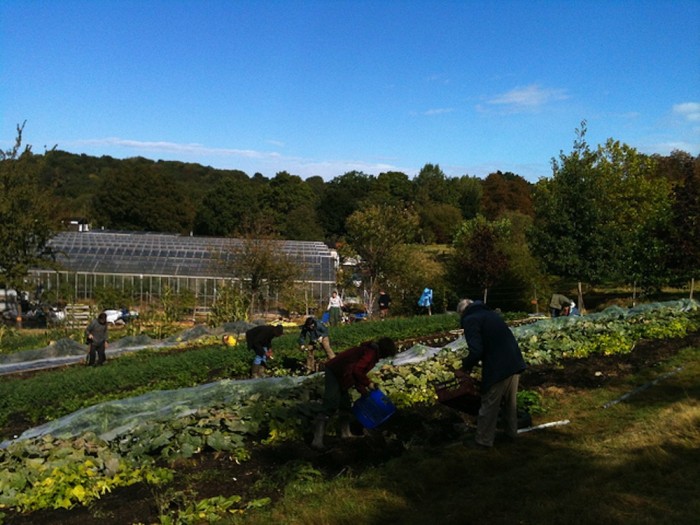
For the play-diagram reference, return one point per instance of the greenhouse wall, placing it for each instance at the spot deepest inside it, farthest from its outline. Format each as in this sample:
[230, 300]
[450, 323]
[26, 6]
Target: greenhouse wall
[144, 266]
[147, 289]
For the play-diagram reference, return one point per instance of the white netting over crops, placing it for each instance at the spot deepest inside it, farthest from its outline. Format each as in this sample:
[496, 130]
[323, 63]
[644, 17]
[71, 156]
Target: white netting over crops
[67, 351]
[113, 418]
[421, 352]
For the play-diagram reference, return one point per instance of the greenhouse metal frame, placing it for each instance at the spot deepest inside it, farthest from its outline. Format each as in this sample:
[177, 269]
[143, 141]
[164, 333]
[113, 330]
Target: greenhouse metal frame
[145, 264]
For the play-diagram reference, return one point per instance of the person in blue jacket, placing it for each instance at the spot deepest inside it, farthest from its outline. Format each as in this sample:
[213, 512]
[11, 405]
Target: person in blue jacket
[426, 300]
[492, 343]
[315, 333]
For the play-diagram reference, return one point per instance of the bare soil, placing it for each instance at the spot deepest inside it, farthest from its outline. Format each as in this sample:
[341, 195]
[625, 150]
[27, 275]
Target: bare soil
[215, 474]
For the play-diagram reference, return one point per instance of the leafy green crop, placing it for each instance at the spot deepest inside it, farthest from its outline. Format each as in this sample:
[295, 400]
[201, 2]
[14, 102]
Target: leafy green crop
[52, 473]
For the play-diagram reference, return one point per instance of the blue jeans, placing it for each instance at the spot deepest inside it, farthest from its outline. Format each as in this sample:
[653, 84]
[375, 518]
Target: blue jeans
[261, 359]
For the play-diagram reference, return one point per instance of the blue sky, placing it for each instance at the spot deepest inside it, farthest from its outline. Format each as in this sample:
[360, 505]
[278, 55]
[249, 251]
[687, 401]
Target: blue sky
[326, 87]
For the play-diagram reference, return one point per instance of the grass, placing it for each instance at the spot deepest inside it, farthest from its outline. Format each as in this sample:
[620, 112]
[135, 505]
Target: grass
[633, 463]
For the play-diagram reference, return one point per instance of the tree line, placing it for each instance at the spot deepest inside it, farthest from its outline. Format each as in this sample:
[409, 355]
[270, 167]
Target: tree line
[608, 214]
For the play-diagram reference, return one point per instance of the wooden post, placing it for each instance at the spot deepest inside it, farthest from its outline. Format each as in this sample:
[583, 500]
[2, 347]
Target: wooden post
[581, 307]
[692, 287]
[536, 302]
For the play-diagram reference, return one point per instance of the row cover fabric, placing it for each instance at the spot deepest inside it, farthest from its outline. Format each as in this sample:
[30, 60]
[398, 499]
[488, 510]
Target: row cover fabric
[112, 418]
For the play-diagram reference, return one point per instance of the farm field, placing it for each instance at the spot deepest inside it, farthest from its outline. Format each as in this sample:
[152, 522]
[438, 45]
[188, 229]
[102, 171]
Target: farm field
[632, 462]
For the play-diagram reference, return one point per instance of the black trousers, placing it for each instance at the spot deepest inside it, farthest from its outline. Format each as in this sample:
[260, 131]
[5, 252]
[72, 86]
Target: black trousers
[96, 355]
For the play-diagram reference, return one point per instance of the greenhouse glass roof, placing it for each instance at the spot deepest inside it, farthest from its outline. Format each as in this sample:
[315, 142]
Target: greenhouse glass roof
[107, 252]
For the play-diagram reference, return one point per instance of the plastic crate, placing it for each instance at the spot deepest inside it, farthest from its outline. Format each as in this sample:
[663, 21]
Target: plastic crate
[461, 393]
[374, 409]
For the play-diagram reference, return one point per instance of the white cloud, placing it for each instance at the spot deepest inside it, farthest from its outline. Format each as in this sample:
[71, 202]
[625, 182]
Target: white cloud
[666, 148]
[249, 161]
[690, 111]
[527, 98]
[438, 111]
[174, 147]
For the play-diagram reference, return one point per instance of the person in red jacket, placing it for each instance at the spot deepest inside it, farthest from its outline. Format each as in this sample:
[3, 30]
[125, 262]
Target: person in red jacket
[346, 370]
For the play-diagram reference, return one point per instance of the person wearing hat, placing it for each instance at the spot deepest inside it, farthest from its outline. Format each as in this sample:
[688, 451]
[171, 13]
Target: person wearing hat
[492, 343]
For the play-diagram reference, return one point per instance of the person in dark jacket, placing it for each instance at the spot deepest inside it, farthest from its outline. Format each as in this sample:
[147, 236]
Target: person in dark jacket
[492, 343]
[259, 340]
[97, 334]
[347, 370]
[384, 302]
[315, 333]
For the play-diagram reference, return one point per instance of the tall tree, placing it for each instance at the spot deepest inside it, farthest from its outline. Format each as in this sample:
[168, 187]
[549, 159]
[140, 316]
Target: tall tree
[262, 266]
[479, 258]
[683, 259]
[139, 197]
[343, 196]
[229, 208]
[505, 192]
[291, 204]
[432, 185]
[27, 219]
[375, 234]
[439, 222]
[597, 216]
[469, 191]
[437, 204]
[393, 188]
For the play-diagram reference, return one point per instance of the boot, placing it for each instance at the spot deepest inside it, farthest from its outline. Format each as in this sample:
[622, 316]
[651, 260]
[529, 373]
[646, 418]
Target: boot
[256, 371]
[310, 360]
[319, 431]
[345, 432]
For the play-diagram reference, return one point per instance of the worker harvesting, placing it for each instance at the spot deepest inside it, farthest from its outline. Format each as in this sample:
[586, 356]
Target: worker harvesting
[259, 339]
[347, 370]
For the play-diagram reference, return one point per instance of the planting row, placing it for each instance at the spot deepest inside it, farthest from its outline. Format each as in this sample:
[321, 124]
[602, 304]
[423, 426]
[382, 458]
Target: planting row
[91, 453]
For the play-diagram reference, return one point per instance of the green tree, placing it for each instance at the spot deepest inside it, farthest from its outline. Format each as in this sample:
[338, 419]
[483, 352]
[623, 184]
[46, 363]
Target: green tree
[27, 218]
[597, 218]
[230, 207]
[432, 185]
[437, 204]
[505, 192]
[291, 204]
[342, 196]
[374, 234]
[140, 197]
[393, 188]
[469, 191]
[261, 265]
[439, 222]
[683, 259]
[523, 281]
[479, 259]
[411, 269]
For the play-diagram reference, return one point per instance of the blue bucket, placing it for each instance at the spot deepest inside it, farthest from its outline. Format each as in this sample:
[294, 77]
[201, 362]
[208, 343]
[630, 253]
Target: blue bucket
[374, 409]
[325, 318]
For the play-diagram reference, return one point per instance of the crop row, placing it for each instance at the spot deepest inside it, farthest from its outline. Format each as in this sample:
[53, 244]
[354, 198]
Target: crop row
[63, 472]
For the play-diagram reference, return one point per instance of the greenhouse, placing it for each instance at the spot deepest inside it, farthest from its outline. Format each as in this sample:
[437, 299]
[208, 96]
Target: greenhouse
[147, 264]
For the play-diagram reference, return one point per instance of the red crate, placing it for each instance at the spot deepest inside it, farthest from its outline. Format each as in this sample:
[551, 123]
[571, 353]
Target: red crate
[461, 393]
